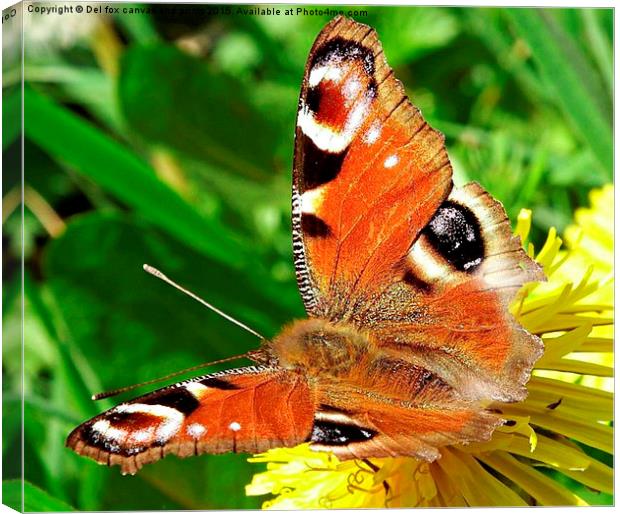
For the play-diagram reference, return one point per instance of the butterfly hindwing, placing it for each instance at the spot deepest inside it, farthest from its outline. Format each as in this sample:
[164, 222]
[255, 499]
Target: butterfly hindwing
[240, 410]
[364, 425]
[450, 310]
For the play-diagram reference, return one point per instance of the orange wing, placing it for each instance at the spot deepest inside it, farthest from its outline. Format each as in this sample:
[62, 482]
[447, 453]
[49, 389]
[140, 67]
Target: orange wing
[370, 426]
[240, 410]
[369, 172]
[455, 319]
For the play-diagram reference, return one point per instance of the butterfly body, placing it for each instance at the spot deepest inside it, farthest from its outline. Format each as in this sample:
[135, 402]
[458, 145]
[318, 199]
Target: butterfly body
[406, 280]
[320, 348]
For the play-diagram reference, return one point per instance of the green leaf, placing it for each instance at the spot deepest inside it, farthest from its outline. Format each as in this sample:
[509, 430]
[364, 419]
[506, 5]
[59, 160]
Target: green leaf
[490, 26]
[88, 86]
[556, 57]
[35, 498]
[601, 46]
[421, 30]
[199, 111]
[116, 169]
[139, 26]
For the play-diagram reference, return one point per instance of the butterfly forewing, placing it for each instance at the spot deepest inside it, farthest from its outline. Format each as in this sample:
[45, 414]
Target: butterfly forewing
[368, 175]
[240, 410]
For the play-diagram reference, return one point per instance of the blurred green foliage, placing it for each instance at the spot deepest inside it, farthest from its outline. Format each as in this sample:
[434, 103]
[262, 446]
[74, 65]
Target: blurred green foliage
[169, 140]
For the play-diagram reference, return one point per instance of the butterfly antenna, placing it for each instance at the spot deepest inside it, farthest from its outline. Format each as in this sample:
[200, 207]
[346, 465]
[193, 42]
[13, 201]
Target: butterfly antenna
[156, 273]
[115, 392]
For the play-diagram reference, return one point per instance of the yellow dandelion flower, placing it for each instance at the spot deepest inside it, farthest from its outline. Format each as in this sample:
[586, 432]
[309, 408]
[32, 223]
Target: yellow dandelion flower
[589, 258]
[591, 236]
[546, 453]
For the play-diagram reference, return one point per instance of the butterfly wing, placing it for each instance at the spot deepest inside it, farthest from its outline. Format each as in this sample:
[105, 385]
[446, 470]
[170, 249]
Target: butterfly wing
[401, 410]
[240, 410]
[372, 428]
[382, 239]
[368, 174]
[450, 306]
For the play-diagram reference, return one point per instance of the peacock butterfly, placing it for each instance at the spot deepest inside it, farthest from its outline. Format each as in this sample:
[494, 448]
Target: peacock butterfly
[406, 280]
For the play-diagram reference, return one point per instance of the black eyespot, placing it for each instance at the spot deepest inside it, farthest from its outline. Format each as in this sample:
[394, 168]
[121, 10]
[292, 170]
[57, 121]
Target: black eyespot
[331, 408]
[319, 166]
[119, 417]
[177, 398]
[314, 226]
[313, 99]
[218, 383]
[337, 434]
[90, 436]
[97, 440]
[416, 282]
[340, 50]
[343, 49]
[454, 232]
